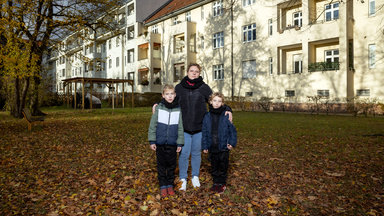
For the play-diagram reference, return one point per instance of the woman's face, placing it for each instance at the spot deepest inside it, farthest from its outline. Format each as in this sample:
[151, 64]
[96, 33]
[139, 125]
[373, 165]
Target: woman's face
[193, 72]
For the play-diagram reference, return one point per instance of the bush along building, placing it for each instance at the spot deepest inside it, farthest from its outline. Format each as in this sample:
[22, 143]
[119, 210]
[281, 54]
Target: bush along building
[285, 52]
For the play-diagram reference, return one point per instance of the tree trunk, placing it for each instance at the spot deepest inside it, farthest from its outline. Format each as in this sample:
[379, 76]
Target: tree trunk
[15, 103]
[35, 97]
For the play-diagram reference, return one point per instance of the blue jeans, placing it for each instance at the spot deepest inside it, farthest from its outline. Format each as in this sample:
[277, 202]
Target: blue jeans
[192, 146]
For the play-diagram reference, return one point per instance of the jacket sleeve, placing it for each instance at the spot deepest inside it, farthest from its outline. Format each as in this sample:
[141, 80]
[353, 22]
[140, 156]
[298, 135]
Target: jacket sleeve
[232, 139]
[153, 126]
[180, 131]
[204, 141]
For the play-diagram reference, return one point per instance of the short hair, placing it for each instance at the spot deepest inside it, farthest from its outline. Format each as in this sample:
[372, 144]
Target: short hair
[194, 64]
[216, 94]
[168, 87]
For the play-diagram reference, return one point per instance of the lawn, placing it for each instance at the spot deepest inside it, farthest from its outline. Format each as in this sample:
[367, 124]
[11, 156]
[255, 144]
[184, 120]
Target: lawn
[99, 163]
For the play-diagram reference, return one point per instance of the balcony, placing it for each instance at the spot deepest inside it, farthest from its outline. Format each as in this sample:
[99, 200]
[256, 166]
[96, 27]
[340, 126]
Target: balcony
[323, 66]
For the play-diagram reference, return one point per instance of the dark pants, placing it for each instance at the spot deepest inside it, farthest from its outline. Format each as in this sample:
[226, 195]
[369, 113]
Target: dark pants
[166, 164]
[219, 166]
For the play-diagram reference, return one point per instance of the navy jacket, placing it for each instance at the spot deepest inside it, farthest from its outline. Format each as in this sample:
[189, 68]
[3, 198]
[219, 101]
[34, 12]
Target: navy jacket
[226, 132]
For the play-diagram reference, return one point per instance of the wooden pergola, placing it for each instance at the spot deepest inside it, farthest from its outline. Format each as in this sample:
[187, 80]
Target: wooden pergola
[84, 80]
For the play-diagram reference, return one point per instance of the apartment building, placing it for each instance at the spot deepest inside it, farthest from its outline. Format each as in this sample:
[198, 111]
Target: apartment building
[103, 53]
[286, 50]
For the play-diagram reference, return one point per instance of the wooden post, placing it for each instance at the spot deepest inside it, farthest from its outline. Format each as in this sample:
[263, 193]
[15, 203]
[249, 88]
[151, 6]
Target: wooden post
[117, 95]
[66, 93]
[123, 94]
[83, 91]
[90, 100]
[113, 98]
[75, 105]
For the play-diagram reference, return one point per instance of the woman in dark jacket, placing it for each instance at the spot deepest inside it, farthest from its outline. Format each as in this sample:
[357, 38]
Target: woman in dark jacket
[193, 96]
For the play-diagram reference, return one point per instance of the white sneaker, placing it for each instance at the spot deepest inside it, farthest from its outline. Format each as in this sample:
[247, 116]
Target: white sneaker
[195, 181]
[183, 185]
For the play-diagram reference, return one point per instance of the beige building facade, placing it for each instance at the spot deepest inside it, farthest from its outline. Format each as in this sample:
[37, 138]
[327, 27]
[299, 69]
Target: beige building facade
[285, 50]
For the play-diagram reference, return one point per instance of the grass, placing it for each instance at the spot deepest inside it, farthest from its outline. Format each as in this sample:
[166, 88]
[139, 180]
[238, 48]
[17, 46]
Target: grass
[99, 163]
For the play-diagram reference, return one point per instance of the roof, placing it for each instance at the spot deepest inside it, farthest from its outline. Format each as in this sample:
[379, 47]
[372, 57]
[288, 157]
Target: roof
[171, 7]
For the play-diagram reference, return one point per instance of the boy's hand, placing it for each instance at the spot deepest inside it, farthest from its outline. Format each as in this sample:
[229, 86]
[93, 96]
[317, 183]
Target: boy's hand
[154, 108]
[178, 149]
[205, 151]
[229, 115]
[229, 146]
[153, 147]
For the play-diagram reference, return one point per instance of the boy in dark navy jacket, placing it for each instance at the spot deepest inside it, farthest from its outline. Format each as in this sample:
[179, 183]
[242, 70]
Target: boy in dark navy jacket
[166, 137]
[219, 136]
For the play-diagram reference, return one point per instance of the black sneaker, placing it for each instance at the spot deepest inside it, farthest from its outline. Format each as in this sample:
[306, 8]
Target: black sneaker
[214, 187]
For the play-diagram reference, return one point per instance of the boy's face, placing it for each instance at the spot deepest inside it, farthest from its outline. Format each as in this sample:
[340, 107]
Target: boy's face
[169, 95]
[216, 102]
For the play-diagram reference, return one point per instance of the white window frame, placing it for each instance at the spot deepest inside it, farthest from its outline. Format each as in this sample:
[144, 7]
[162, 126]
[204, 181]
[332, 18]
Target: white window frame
[131, 32]
[249, 32]
[363, 92]
[218, 72]
[270, 27]
[332, 56]
[175, 20]
[131, 55]
[298, 17]
[155, 29]
[297, 68]
[217, 8]
[117, 41]
[249, 69]
[372, 7]
[290, 93]
[218, 40]
[188, 16]
[372, 55]
[248, 2]
[332, 9]
[202, 45]
[323, 92]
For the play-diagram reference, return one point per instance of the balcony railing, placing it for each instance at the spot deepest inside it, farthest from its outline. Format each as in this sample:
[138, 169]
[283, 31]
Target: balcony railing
[323, 66]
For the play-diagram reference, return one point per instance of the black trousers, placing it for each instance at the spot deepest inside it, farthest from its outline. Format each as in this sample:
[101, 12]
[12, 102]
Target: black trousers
[219, 166]
[166, 164]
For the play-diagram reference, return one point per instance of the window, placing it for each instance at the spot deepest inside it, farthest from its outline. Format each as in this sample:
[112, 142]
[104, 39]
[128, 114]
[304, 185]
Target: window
[217, 8]
[202, 12]
[218, 40]
[218, 71]
[332, 11]
[131, 75]
[156, 76]
[249, 33]
[289, 93]
[179, 43]
[248, 2]
[248, 94]
[202, 42]
[372, 55]
[130, 54]
[249, 69]
[270, 65]
[63, 72]
[80, 70]
[188, 16]
[192, 43]
[298, 19]
[372, 8]
[323, 93]
[363, 92]
[155, 29]
[131, 32]
[110, 44]
[297, 64]
[117, 61]
[117, 41]
[131, 9]
[270, 27]
[178, 70]
[175, 20]
[110, 63]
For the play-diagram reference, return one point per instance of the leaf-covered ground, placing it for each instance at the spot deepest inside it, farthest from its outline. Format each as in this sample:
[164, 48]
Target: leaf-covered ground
[99, 163]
